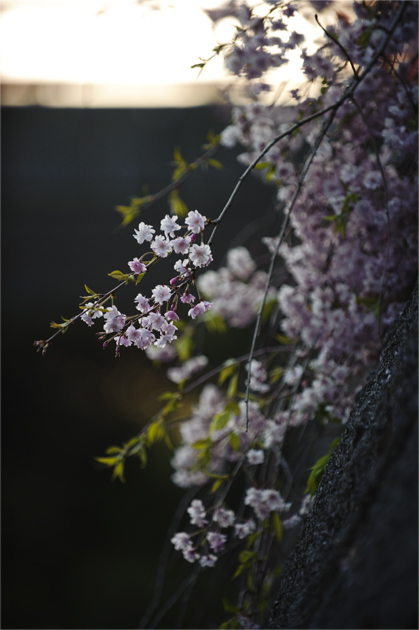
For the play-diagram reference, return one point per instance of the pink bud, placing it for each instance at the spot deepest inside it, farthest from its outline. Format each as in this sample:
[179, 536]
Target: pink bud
[193, 238]
[173, 281]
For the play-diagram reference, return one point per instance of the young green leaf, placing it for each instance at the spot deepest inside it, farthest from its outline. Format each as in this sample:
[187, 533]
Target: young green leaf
[276, 525]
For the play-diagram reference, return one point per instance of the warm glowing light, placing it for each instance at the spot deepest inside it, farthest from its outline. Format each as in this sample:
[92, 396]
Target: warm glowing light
[117, 53]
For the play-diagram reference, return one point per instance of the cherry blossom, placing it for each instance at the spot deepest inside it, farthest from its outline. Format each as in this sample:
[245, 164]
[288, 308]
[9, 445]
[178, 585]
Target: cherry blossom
[144, 233]
[195, 221]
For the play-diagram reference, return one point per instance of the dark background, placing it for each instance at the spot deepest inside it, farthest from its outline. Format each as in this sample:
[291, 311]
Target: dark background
[79, 551]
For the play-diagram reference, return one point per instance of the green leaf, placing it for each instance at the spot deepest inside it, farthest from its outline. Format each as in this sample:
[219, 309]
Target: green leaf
[287, 341]
[261, 165]
[177, 206]
[155, 432]
[168, 441]
[118, 275]
[216, 475]
[142, 454]
[247, 556]
[167, 396]
[132, 442]
[184, 344]
[239, 571]
[275, 374]
[214, 322]
[89, 291]
[318, 469]
[232, 387]
[118, 472]
[251, 539]
[276, 525]
[217, 483]
[233, 408]
[219, 421]
[173, 404]
[229, 607]
[113, 449]
[62, 326]
[215, 163]
[230, 367]
[364, 38]
[234, 442]
[268, 309]
[200, 445]
[178, 156]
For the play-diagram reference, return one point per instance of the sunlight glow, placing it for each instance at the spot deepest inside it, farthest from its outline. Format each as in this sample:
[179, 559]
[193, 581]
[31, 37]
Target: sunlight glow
[116, 53]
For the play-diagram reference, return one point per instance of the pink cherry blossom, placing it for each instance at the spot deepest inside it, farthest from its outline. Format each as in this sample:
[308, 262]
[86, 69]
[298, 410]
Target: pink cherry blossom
[169, 226]
[137, 266]
[195, 221]
[199, 309]
[143, 304]
[144, 233]
[161, 293]
[200, 255]
[161, 247]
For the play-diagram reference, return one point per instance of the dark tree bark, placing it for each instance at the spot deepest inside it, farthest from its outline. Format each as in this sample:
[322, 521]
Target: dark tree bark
[356, 561]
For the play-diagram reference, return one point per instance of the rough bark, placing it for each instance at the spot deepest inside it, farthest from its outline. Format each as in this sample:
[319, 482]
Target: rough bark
[355, 563]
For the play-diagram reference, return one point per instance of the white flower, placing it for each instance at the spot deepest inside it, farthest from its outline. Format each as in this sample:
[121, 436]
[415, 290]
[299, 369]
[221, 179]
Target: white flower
[216, 541]
[181, 244]
[373, 180]
[115, 320]
[255, 457]
[208, 561]
[169, 226]
[144, 233]
[195, 221]
[161, 247]
[240, 263]
[161, 293]
[244, 529]
[142, 303]
[225, 518]
[181, 266]
[197, 513]
[200, 255]
[181, 541]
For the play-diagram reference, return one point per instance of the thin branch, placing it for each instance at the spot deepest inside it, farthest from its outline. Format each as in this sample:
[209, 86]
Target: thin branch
[403, 83]
[173, 599]
[170, 187]
[337, 42]
[301, 178]
[164, 556]
[44, 344]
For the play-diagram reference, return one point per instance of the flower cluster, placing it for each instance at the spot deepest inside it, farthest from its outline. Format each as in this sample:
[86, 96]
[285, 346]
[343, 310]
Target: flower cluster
[142, 330]
[351, 262]
[338, 278]
[237, 290]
